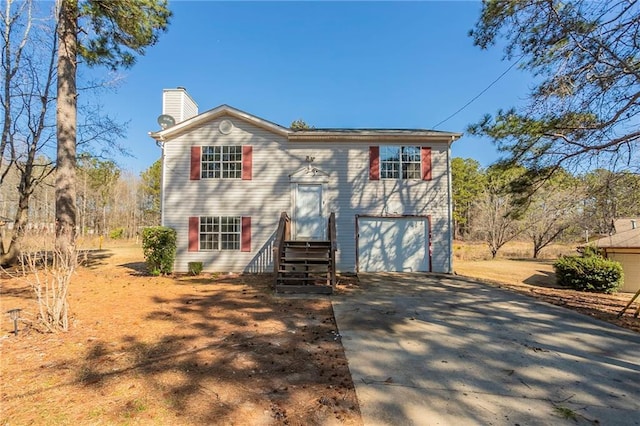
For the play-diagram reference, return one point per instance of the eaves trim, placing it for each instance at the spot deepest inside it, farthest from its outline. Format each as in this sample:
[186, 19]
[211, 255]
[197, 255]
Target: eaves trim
[222, 110]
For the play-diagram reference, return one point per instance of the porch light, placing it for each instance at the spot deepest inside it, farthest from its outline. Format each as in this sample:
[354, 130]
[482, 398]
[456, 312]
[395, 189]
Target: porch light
[15, 315]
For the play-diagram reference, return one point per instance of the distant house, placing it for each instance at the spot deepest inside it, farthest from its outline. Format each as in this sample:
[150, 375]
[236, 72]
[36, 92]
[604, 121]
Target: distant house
[228, 175]
[623, 245]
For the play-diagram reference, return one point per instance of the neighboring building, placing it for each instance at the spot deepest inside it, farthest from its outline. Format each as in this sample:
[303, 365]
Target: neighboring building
[623, 245]
[227, 175]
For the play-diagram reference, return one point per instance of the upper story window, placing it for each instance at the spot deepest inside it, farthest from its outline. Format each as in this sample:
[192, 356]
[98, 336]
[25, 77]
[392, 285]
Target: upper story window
[221, 162]
[400, 162]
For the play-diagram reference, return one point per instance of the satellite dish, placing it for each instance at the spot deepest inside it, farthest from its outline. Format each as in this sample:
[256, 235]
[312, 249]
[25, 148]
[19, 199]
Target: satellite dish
[166, 121]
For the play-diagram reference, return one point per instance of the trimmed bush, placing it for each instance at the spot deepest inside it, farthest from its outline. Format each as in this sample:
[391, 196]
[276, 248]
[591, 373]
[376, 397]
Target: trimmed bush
[159, 247]
[195, 268]
[589, 273]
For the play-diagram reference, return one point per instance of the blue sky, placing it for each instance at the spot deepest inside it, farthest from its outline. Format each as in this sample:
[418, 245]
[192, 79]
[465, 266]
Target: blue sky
[333, 64]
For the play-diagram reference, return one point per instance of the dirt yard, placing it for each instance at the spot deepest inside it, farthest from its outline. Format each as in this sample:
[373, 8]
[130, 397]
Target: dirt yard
[184, 350]
[206, 349]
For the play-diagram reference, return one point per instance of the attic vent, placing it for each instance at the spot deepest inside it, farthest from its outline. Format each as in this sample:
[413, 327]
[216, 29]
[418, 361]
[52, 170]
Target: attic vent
[225, 127]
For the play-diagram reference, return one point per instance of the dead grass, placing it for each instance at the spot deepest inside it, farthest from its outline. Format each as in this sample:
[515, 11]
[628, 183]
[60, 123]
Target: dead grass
[182, 350]
[466, 251]
[508, 271]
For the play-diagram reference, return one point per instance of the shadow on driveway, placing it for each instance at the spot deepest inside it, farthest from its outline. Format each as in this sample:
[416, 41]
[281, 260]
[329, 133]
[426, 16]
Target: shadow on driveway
[431, 349]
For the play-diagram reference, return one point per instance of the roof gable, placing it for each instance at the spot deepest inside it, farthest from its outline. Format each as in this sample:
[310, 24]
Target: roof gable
[212, 114]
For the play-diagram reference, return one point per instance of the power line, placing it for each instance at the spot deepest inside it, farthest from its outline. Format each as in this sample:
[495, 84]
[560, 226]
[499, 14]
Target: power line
[479, 94]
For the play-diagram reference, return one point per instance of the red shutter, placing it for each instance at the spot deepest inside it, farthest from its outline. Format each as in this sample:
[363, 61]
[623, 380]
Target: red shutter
[247, 162]
[425, 155]
[195, 163]
[246, 234]
[194, 233]
[374, 163]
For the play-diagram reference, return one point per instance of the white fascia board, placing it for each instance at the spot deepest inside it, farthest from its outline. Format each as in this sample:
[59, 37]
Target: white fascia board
[222, 110]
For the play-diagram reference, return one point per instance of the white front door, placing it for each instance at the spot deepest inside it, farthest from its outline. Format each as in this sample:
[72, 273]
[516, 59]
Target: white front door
[309, 220]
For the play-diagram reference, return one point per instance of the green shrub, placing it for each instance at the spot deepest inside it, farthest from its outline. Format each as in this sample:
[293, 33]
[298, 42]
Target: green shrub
[116, 234]
[590, 251]
[159, 247]
[589, 273]
[195, 268]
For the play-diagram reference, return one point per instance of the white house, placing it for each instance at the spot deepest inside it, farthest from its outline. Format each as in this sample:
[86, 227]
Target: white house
[228, 175]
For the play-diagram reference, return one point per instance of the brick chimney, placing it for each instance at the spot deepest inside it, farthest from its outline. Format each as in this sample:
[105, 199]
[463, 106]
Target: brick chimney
[178, 104]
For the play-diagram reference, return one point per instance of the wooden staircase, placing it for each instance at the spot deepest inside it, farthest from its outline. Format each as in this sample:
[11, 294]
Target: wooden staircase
[304, 266]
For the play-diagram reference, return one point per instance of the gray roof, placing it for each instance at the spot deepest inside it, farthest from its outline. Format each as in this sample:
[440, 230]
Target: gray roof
[371, 130]
[311, 134]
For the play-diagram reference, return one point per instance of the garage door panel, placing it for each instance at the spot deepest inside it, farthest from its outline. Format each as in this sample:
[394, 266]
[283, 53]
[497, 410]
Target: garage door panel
[393, 244]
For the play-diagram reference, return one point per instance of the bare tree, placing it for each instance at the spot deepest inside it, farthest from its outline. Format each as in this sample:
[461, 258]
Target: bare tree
[49, 273]
[29, 75]
[29, 52]
[496, 213]
[609, 196]
[552, 209]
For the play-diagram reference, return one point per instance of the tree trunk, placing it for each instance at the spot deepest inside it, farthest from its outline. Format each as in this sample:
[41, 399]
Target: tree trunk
[66, 118]
[7, 69]
[536, 251]
[10, 257]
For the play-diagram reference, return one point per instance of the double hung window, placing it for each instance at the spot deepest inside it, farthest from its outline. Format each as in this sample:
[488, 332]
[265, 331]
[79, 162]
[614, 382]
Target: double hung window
[220, 232]
[221, 162]
[400, 162]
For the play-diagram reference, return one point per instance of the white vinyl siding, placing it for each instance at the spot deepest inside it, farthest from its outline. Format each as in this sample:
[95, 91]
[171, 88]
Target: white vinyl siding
[178, 104]
[349, 192]
[263, 198]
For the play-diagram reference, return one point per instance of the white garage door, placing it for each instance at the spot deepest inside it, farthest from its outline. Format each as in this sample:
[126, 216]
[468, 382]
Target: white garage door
[393, 244]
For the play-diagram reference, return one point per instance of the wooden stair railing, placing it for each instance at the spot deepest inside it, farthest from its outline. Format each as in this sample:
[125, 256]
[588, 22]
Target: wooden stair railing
[283, 233]
[304, 266]
[331, 232]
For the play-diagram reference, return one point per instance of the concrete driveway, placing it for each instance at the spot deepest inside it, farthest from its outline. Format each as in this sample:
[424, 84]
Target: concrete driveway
[437, 350]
